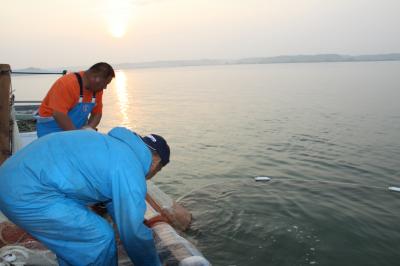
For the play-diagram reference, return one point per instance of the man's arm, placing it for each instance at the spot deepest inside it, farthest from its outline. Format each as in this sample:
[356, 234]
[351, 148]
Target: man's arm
[128, 207]
[94, 120]
[63, 121]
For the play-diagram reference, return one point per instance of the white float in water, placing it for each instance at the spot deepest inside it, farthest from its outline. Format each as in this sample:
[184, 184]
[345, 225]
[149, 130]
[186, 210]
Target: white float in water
[397, 189]
[262, 178]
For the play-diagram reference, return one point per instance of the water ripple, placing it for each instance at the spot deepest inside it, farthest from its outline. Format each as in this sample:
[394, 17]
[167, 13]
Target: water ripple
[296, 222]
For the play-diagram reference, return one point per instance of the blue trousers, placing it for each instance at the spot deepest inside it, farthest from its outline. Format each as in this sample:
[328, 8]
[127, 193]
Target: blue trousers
[73, 232]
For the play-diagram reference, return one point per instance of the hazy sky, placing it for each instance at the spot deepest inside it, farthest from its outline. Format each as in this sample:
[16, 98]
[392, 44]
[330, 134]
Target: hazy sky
[55, 33]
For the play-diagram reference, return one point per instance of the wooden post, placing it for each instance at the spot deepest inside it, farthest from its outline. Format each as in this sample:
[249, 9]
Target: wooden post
[5, 85]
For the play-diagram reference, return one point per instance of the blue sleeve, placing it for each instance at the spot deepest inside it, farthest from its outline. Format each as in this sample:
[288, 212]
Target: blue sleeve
[128, 208]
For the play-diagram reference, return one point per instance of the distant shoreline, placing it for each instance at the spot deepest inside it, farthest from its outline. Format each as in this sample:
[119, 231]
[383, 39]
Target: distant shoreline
[284, 59]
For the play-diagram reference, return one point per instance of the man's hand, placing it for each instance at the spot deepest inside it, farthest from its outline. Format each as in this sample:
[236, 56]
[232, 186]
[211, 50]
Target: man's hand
[94, 120]
[87, 127]
[179, 216]
[63, 121]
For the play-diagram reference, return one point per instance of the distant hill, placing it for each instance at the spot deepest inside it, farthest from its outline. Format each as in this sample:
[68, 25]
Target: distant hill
[317, 58]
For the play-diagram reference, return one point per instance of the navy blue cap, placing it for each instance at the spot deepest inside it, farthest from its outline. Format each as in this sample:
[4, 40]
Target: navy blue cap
[158, 144]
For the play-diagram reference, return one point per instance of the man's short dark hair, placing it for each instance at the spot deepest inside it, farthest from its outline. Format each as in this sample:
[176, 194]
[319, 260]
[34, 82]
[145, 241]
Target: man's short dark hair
[102, 68]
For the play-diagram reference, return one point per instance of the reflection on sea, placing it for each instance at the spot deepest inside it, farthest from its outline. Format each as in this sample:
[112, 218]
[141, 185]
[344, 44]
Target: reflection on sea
[120, 90]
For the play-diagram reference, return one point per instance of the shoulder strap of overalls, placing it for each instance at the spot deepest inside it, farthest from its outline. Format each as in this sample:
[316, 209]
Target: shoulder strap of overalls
[79, 78]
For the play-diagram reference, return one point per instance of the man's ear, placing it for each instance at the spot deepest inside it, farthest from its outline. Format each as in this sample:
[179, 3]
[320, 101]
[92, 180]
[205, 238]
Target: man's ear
[156, 159]
[154, 167]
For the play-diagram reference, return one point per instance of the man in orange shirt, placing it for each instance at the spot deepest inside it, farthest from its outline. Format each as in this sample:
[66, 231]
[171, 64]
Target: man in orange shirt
[71, 100]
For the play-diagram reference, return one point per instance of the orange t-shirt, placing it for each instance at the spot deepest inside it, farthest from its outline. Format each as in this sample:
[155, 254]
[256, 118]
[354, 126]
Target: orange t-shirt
[64, 95]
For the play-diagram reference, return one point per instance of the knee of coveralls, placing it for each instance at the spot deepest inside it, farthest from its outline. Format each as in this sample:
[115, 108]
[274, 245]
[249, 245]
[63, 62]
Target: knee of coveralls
[94, 248]
[74, 233]
[106, 255]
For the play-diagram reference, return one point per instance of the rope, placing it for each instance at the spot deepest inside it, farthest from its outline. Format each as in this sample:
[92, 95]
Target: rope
[10, 226]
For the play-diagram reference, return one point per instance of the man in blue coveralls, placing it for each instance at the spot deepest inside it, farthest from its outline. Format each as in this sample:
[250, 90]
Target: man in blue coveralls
[47, 186]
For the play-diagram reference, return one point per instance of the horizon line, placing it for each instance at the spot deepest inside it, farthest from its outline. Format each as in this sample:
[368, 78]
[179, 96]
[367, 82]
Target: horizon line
[242, 60]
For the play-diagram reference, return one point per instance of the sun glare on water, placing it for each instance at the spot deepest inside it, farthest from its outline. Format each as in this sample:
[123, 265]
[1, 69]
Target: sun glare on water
[121, 86]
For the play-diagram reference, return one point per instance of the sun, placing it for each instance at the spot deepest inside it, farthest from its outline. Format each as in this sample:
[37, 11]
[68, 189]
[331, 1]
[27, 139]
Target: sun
[117, 30]
[118, 14]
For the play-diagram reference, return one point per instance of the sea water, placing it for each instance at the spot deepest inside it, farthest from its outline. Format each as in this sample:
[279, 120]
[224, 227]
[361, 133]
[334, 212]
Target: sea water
[327, 134]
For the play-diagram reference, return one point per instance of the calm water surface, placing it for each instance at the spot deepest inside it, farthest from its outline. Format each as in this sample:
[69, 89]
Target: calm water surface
[327, 134]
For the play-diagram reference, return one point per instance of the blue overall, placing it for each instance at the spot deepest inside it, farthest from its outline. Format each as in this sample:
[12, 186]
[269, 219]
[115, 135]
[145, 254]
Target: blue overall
[45, 189]
[79, 114]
